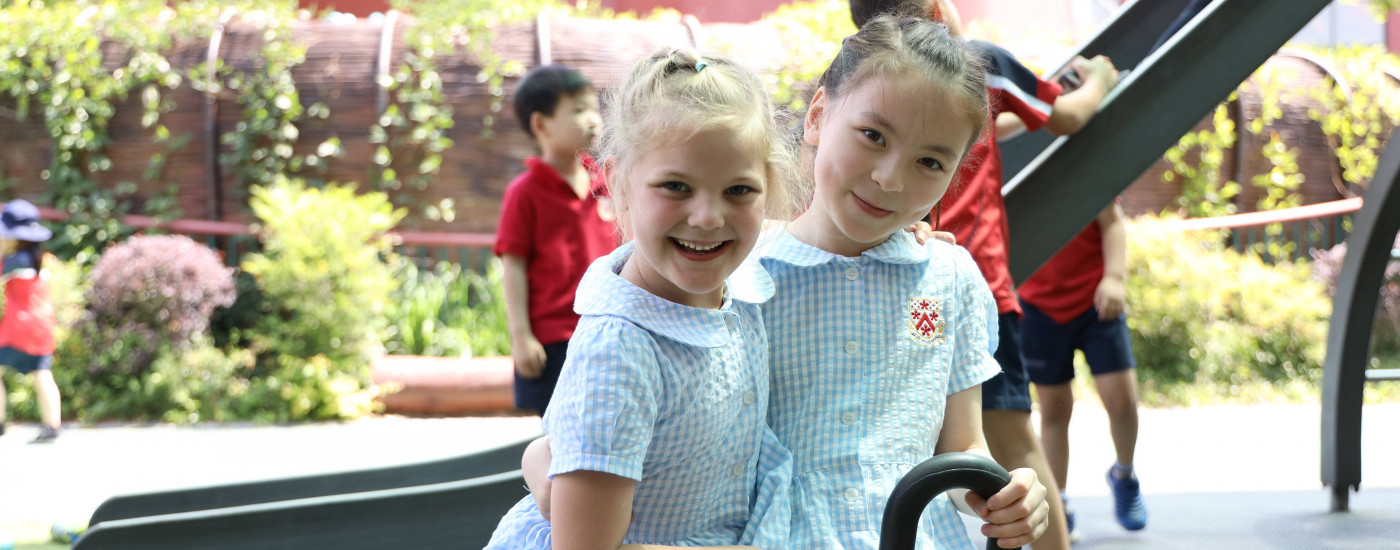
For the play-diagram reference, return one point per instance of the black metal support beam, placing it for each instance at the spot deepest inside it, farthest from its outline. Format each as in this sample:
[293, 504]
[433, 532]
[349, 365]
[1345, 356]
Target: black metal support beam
[459, 514]
[1349, 336]
[503, 458]
[1126, 40]
[1063, 188]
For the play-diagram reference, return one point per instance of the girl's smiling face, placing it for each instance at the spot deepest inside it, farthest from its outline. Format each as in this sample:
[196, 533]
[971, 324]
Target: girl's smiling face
[695, 210]
[886, 152]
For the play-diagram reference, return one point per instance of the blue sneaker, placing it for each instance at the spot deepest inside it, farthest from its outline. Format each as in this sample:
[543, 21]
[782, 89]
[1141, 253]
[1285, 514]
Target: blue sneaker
[1127, 502]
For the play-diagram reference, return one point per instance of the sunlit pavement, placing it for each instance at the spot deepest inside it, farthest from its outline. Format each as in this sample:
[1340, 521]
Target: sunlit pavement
[1253, 469]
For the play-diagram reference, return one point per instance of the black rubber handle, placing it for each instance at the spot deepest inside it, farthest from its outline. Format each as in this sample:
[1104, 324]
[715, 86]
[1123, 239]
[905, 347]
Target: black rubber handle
[900, 526]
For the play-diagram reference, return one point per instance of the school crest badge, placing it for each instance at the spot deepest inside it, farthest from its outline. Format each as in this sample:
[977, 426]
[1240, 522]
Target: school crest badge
[926, 321]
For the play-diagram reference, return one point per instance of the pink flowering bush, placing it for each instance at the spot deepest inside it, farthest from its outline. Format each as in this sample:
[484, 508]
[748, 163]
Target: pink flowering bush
[153, 292]
[167, 283]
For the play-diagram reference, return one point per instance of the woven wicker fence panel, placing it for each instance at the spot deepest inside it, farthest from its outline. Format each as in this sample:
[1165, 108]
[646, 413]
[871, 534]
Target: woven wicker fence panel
[1244, 161]
[340, 71]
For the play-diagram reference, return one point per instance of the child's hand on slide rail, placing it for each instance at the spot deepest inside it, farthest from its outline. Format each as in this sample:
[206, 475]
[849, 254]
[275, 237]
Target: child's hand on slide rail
[1016, 515]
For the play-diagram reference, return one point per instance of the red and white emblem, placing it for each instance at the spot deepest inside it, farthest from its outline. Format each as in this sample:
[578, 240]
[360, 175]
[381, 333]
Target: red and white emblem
[926, 321]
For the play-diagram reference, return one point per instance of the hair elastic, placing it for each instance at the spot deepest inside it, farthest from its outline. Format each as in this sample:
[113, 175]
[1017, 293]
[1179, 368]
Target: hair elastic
[700, 65]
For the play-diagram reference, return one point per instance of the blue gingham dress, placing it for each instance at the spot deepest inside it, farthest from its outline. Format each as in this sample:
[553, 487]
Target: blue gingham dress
[864, 353]
[675, 398]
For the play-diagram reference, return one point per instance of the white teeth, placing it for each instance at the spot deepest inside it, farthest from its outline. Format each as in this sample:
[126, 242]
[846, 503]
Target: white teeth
[698, 247]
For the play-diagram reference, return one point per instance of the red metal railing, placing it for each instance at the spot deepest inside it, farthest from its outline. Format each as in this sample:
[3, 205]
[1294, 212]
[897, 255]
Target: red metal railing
[471, 250]
[1320, 226]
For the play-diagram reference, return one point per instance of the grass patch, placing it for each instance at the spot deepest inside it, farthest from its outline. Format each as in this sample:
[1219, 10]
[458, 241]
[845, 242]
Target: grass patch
[32, 535]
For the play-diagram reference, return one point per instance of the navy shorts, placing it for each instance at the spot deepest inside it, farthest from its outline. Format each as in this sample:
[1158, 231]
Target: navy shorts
[1049, 346]
[23, 362]
[533, 393]
[1009, 390]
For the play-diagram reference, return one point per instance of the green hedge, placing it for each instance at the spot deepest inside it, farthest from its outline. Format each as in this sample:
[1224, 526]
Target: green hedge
[1201, 314]
[298, 347]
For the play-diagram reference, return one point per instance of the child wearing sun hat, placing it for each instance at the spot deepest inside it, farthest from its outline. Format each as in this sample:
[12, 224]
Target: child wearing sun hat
[27, 325]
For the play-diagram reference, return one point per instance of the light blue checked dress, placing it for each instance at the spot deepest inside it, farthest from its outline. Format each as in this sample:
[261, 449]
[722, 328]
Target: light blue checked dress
[864, 353]
[674, 397]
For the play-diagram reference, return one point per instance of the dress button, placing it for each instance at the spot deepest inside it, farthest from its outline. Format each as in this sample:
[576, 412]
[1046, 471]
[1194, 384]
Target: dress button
[748, 397]
[852, 274]
[848, 418]
[852, 494]
[852, 347]
[738, 470]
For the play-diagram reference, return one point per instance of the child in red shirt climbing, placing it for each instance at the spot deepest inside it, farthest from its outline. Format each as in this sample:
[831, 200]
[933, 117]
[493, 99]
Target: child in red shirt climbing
[1076, 301]
[552, 227]
[27, 326]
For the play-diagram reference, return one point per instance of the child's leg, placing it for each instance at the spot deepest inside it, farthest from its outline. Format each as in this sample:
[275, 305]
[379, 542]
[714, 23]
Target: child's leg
[47, 391]
[1056, 408]
[1108, 350]
[1110, 356]
[1012, 441]
[1047, 347]
[1118, 390]
[1006, 421]
[3, 397]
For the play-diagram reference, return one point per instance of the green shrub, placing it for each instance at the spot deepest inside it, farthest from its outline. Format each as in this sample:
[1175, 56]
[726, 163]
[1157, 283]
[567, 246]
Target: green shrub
[233, 325]
[323, 269]
[202, 383]
[448, 312]
[325, 277]
[299, 389]
[1202, 314]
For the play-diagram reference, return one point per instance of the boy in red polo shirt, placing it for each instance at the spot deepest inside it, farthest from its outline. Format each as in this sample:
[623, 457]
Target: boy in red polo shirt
[552, 227]
[1075, 301]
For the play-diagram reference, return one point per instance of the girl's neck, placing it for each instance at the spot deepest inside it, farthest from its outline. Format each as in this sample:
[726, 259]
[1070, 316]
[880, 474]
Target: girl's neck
[815, 228]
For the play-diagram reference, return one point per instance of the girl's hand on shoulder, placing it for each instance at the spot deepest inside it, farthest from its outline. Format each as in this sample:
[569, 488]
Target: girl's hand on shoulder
[923, 232]
[1018, 514]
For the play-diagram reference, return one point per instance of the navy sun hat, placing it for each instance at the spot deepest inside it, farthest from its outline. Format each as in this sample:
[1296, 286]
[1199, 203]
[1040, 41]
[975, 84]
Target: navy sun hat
[20, 221]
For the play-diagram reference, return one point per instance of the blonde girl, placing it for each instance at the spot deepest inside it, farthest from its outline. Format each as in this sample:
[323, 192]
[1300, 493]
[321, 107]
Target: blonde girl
[658, 420]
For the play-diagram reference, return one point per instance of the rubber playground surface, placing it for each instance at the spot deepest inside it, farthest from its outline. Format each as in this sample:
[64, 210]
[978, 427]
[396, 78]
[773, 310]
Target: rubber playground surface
[1213, 477]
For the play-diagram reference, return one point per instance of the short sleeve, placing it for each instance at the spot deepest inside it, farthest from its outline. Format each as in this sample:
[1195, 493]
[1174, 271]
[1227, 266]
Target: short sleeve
[607, 400]
[1017, 89]
[976, 328]
[515, 232]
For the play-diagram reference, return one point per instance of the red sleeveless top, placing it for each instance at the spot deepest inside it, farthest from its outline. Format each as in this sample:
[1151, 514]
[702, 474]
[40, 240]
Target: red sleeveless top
[28, 321]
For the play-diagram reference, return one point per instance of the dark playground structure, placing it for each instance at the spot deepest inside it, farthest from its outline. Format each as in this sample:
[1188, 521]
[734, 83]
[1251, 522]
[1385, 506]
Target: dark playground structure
[1059, 184]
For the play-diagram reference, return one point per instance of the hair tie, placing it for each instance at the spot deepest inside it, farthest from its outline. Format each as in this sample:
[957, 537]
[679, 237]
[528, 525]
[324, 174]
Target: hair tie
[700, 65]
